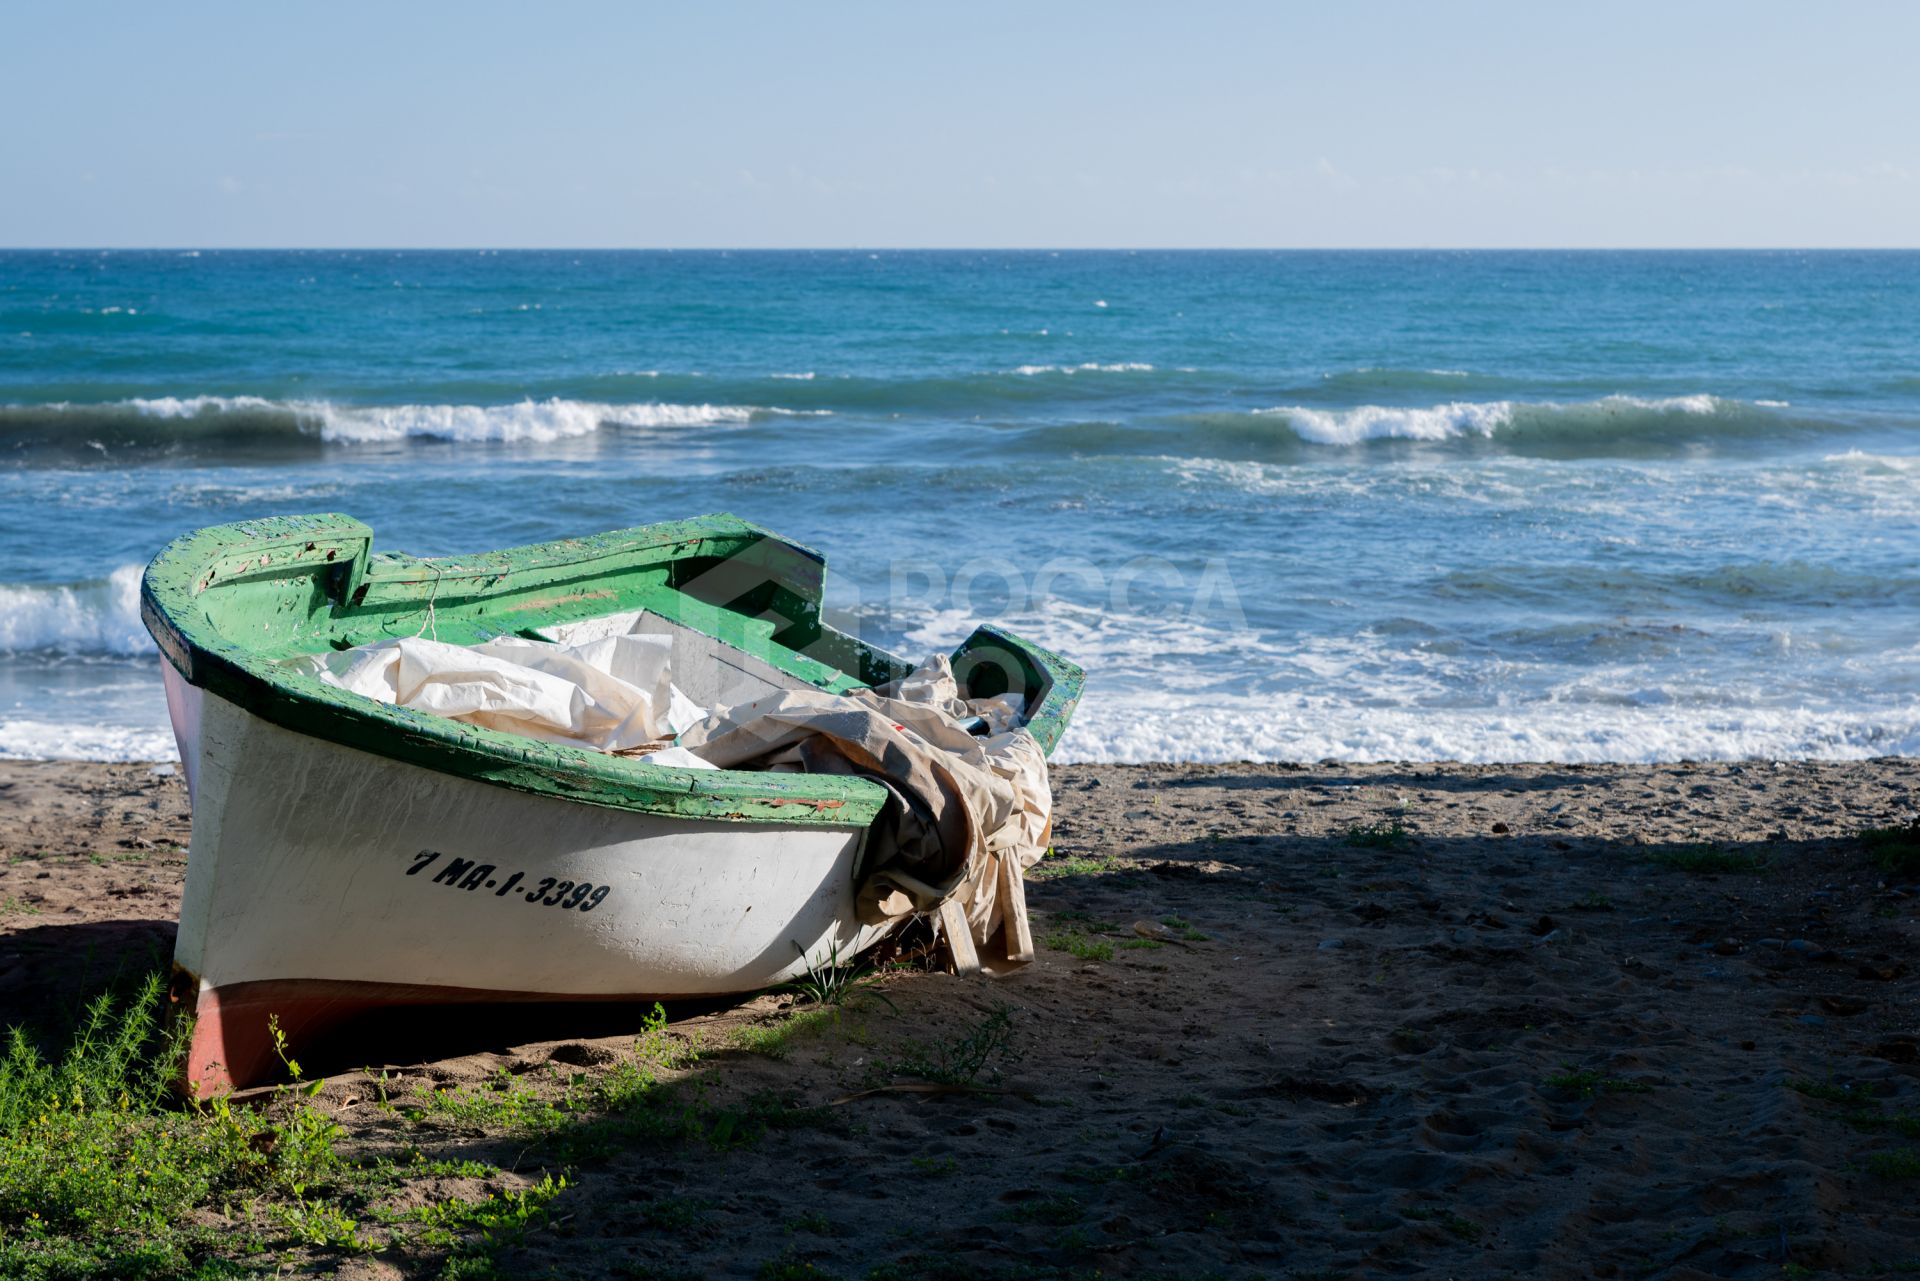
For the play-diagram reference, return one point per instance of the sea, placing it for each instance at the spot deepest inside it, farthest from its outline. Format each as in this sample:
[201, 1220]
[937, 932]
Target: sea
[1350, 506]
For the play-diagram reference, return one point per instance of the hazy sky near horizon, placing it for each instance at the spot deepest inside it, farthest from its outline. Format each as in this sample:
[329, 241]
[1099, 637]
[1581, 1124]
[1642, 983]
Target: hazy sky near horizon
[987, 124]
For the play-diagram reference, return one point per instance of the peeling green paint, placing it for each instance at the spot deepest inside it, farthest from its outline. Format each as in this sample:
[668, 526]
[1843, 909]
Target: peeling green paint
[228, 603]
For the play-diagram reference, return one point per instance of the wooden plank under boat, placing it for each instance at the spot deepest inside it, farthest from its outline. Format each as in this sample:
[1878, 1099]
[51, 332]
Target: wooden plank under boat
[349, 853]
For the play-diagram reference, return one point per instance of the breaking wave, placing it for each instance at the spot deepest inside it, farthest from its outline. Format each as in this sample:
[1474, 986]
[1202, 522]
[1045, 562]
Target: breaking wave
[97, 617]
[1176, 728]
[34, 740]
[1459, 419]
[1610, 426]
[211, 421]
[1086, 367]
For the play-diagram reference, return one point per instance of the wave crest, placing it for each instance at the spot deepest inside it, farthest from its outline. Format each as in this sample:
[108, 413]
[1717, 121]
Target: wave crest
[1462, 419]
[100, 616]
[178, 422]
[1085, 367]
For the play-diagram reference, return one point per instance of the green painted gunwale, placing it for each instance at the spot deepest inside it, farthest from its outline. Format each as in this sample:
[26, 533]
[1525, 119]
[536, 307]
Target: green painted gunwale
[228, 603]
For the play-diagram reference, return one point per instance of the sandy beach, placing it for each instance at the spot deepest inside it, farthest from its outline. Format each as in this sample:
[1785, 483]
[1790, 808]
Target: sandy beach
[1332, 1021]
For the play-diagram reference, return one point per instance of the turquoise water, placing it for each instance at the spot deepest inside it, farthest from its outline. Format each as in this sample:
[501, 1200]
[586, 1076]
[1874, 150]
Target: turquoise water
[1485, 506]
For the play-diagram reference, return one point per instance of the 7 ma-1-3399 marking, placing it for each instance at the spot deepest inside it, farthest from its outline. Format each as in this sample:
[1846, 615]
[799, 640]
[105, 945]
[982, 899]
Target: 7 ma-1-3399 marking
[548, 891]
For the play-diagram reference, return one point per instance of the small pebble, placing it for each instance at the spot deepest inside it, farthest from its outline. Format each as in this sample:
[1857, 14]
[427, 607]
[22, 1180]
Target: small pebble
[1813, 1020]
[1327, 945]
[1803, 946]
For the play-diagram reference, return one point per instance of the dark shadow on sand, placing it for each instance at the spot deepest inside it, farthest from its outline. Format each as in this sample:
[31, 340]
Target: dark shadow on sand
[48, 973]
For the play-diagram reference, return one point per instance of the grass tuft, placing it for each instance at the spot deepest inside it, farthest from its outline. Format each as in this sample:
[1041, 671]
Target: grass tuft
[1183, 928]
[1861, 1109]
[839, 983]
[101, 1167]
[775, 1040]
[1588, 1083]
[1901, 1163]
[1710, 859]
[788, 1266]
[1081, 945]
[958, 1061]
[1387, 834]
[1051, 1211]
[1894, 850]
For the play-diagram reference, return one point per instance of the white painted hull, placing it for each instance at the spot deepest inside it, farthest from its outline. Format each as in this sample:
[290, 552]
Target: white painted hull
[319, 871]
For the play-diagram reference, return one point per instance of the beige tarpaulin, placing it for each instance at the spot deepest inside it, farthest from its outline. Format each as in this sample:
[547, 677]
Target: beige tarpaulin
[966, 816]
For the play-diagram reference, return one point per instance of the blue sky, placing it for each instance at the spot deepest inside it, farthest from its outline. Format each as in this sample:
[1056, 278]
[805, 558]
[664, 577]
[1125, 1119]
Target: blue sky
[983, 124]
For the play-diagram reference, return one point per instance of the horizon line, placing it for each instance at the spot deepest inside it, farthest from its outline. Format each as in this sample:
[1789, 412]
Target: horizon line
[1010, 249]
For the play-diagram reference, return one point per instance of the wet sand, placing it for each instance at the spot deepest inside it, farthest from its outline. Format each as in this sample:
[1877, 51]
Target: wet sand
[1407, 1019]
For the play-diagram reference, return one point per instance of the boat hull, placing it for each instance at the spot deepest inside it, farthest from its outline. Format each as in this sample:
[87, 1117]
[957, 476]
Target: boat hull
[323, 879]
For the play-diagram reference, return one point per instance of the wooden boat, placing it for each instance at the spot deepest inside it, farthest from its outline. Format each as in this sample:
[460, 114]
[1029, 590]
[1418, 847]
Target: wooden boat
[349, 853]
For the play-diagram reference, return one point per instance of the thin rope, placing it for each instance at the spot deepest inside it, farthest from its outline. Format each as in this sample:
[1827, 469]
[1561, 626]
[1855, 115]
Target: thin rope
[432, 596]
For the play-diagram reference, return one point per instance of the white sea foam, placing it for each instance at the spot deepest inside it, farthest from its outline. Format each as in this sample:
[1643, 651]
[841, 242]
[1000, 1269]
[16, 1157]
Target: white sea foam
[1464, 418]
[187, 406]
[1878, 462]
[1373, 370]
[806, 377]
[1381, 422]
[1138, 725]
[35, 740]
[529, 420]
[1176, 687]
[85, 618]
[1086, 367]
[537, 421]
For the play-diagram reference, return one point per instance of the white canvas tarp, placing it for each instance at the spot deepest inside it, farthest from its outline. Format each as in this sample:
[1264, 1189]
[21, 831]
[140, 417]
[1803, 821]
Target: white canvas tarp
[967, 814]
[614, 694]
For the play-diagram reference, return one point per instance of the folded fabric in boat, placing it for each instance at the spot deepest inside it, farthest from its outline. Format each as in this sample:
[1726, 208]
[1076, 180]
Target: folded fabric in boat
[967, 815]
[615, 694]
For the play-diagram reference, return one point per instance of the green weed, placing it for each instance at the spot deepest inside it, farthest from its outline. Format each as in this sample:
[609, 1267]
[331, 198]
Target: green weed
[775, 1040]
[1082, 946]
[1862, 1110]
[1180, 927]
[1052, 1211]
[1710, 859]
[788, 1266]
[675, 1214]
[101, 1166]
[1386, 834]
[959, 1060]
[1056, 866]
[502, 1217]
[1829, 1092]
[840, 983]
[1901, 1163]
[1894, 849]
[1588, 1083]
